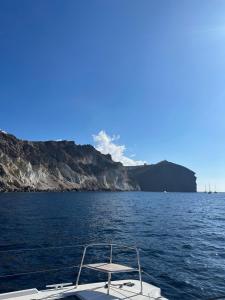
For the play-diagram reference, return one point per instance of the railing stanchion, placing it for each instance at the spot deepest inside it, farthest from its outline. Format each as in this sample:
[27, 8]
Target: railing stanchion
[81, 266]
[110, 275]
[139, 270]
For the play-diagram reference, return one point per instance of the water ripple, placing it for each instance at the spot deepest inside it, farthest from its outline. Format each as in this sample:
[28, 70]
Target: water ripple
[182, 237]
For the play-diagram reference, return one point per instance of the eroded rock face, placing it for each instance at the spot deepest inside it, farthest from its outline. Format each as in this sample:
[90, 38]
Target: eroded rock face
[164, 176]
[58, 166]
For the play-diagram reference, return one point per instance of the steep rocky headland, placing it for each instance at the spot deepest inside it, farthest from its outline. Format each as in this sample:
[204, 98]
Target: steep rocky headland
[164, 176]
[64, 165]
[58, 166]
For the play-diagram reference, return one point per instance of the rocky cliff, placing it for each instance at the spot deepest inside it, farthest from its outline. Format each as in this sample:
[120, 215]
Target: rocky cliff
[58, 165]
[164, 176]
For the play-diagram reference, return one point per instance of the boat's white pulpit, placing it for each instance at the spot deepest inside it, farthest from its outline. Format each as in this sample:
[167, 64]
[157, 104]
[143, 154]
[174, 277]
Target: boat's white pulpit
[110, 267]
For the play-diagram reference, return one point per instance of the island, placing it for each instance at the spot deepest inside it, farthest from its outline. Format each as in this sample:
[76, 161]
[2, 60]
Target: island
[66, 166]
[164, 176]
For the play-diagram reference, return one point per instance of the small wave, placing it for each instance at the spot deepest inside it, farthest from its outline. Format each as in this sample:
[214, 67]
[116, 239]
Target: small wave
[187, 246]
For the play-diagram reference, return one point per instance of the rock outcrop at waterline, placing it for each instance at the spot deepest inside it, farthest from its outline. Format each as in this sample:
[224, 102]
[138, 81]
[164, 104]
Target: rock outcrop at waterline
[163, 176]
[58, 166]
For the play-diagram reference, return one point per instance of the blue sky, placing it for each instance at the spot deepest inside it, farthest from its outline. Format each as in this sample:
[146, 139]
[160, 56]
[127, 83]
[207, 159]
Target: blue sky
[152, 72]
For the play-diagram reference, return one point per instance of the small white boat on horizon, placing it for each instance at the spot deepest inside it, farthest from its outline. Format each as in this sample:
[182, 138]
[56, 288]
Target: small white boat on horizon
[108, 290]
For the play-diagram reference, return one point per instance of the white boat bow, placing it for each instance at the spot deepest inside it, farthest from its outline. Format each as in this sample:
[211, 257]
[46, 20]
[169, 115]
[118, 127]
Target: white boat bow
[109, 290]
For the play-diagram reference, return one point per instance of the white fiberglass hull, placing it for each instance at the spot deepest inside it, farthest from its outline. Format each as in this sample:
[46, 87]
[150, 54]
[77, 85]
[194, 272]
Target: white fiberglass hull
[92, 291]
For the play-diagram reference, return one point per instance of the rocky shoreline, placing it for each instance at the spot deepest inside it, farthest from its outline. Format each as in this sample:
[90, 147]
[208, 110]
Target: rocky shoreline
[63, 166]
[58, 166]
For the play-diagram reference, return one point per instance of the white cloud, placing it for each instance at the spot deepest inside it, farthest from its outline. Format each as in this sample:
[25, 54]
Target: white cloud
[106, 145]
[3, 131]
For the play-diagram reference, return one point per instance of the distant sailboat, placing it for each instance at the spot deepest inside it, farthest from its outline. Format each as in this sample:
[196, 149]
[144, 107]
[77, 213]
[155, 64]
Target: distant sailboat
[215, 190]
[209, 192]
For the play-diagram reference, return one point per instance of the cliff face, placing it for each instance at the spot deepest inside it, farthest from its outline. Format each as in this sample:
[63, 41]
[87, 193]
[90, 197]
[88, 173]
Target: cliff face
[63, 165]
[164, 176]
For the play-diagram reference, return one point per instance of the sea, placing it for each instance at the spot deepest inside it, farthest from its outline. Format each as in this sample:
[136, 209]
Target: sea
[181, 237]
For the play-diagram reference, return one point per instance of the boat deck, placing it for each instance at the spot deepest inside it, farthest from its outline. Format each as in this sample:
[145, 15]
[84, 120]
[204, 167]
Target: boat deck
[122, 289]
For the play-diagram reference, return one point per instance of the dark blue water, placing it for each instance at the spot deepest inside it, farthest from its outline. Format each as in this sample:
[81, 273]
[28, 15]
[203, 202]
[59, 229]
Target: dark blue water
[182, 237]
